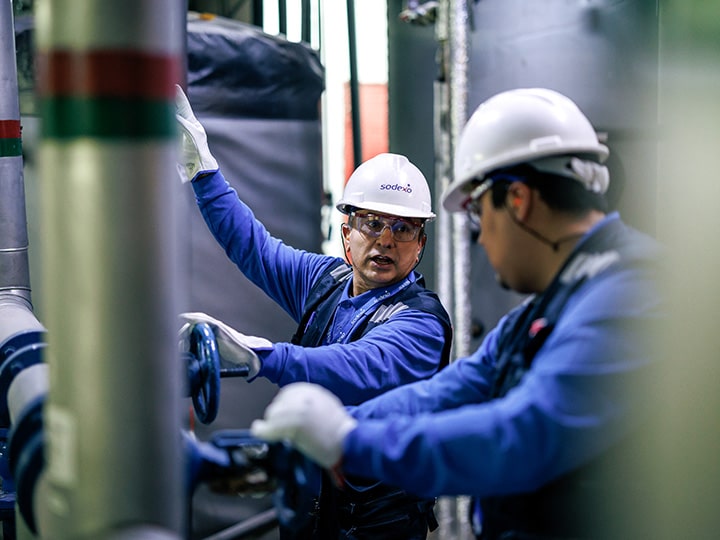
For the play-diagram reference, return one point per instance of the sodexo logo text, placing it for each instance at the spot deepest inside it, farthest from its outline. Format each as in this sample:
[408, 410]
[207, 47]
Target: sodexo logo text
[395, 187]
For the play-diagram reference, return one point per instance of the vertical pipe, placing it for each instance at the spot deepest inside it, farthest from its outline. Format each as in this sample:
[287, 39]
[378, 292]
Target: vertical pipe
[445, 509]
[257, 13]
[106, 74]
[282, 16]
[18, 324]
[14, 267]
[306, 14]
[16, 316]
[459, 24]
[459, 94]
[354, 85]
[458, 75]
[443, 158]
[319, 23]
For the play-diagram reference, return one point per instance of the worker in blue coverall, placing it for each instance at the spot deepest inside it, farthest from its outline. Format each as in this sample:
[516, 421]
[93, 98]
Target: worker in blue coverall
[365, 326]
[533, 422]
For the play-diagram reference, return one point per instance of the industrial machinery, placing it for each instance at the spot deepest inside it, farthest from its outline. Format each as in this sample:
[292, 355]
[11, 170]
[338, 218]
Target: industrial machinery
[232, 462]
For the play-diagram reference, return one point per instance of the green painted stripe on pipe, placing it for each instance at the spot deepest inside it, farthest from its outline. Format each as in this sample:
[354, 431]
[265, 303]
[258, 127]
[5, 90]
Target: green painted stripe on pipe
[112, 118]
[107, 73]
[10, 148]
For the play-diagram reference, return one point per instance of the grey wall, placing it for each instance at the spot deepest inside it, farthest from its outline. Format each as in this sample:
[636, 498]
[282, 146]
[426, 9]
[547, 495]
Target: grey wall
[601, 53]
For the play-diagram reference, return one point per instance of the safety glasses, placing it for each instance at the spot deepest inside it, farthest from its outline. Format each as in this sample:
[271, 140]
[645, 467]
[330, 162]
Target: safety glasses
[473, 204]
[373, 225]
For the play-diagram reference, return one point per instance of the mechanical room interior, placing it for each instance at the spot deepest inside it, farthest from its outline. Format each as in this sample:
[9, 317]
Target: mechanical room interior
[107, 430]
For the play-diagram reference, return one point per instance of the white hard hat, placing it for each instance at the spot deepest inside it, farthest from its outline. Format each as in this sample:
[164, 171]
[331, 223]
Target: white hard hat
[389, 184]
[518, 126]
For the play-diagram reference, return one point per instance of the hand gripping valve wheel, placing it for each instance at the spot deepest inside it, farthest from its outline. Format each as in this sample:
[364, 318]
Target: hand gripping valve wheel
[234, 462]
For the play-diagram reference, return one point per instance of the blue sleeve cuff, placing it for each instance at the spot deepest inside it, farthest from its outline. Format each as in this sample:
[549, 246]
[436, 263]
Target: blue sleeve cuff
[270, 362]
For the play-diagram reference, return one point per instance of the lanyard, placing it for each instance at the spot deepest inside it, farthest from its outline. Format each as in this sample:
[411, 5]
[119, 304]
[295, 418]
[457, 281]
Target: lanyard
[366, 307]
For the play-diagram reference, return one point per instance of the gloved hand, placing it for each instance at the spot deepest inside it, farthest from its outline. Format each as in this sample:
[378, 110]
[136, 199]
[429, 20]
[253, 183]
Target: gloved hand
[310, 418]
[195, 154]
[233, 346]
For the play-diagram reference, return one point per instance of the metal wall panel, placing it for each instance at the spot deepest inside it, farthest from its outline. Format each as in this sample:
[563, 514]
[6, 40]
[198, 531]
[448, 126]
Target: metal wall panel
[601, 53]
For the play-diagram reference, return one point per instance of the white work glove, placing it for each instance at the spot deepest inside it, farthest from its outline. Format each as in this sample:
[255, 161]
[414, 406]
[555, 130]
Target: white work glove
[233, 346]
[195, 154]
[309, 418]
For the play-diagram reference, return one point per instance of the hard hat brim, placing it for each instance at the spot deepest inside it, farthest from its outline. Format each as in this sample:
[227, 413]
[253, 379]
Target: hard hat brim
[389, 209]
[456, 193]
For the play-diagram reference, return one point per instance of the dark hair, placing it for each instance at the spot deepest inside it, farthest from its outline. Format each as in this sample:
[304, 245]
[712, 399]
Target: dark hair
[559, 192]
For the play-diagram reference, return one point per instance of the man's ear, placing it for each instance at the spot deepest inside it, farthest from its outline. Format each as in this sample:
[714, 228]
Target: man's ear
[518, 199]
[345, 230]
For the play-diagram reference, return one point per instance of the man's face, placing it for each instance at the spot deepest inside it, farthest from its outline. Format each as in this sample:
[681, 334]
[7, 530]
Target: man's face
[498, 237]
[508, 246]
[489, 237]
[383, 249]
[484, 214]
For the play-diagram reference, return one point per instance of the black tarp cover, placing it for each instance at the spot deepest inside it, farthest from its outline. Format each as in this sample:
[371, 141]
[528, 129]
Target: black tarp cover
[235, 69]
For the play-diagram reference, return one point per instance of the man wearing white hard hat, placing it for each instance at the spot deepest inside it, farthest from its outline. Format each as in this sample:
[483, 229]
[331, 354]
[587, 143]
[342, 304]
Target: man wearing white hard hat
[366, 324]
[531, 424]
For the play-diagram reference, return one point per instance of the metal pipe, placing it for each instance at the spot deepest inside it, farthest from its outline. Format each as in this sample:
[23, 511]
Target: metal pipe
[454, 253]
[459, 22]
[251, 526]
[109, 192]
[459, 50]
[30, 384]
[354, 86]
[257, 13]
[443, 158]
[18, 325]
[445, 509]
[306, 14]
[14, 267]
[282, 16]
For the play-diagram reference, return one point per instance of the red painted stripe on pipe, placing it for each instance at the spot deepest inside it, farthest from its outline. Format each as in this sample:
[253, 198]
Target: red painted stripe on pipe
[107, 73]
[9, 129]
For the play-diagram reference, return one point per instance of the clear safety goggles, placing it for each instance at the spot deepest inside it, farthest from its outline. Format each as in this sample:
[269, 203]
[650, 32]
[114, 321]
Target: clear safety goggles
[373, 225]
[473, 204]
